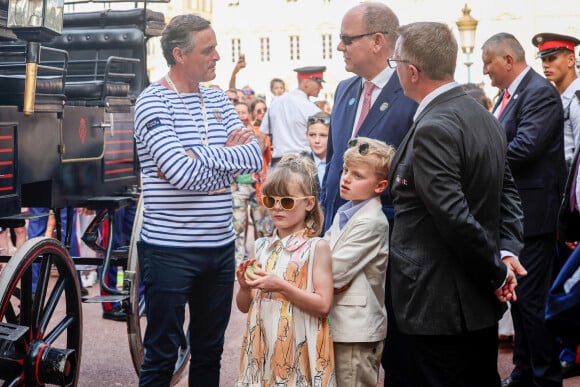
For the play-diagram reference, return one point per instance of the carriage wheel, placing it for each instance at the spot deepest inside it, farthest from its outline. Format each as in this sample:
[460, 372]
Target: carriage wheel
[136, 318]
[50, 319]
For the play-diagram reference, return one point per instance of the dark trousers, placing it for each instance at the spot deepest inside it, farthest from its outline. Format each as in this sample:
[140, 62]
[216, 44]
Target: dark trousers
[535, 348]
[396, 361]
[467, 359]
[203, 278]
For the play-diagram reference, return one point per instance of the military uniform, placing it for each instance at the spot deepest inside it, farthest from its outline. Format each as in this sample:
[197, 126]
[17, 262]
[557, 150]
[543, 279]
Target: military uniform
[287, 116]
[550, 44]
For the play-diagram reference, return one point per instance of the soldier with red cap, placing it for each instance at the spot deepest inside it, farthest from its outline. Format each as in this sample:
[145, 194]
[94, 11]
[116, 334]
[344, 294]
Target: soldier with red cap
[287, 116]
[559, 63]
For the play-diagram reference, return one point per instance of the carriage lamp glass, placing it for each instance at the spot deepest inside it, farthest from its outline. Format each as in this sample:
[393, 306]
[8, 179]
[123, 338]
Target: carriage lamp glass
[40, 18]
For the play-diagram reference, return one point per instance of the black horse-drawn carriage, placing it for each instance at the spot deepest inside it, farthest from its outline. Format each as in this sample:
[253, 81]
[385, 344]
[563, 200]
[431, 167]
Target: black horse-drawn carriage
[75, 149]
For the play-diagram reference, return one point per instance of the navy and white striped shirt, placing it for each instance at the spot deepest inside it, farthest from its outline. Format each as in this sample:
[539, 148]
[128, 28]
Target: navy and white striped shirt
[180, 211]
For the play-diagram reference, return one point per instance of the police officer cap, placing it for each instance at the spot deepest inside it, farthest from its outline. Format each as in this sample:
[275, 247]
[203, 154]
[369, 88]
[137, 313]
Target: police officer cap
[311, 72]
[549, 44]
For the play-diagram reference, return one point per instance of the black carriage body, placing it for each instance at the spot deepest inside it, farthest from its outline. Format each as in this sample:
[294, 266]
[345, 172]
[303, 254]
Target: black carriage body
[79, 142]
[68, 157]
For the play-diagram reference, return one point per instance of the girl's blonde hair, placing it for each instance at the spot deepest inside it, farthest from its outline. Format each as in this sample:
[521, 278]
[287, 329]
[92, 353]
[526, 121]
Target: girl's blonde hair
[297, 170]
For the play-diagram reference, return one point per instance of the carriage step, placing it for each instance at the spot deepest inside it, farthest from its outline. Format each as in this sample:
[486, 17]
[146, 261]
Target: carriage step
[100, 299]
[110, 202]
[11, 332]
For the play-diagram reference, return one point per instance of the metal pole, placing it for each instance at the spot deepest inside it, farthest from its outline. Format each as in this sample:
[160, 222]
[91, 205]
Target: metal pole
[468, 64]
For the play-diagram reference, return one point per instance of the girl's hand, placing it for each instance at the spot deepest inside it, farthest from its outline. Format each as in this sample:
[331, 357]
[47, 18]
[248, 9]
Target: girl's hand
[267, 282]
[240, 272]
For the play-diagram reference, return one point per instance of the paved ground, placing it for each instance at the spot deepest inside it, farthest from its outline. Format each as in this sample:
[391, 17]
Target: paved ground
[106, 358]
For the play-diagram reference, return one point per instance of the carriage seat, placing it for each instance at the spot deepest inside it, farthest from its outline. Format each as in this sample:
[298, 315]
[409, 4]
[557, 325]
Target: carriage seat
[50, 80]
[146, 20]
[102, 64]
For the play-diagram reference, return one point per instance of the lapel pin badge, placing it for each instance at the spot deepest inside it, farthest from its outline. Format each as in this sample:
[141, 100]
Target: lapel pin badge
[401, 180]
[384, 106]
[516, 96]
[351, 102]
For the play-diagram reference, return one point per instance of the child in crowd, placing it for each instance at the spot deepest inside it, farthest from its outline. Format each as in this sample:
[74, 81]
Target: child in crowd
[277, 87]
[287, 289]
[317, 134]
[359, 241]
[249, 218]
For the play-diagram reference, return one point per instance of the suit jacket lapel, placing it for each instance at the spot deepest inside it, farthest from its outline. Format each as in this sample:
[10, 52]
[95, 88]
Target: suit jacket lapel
[454, 92]
[510, 105]
[347, 107]
[336, 232]
[381, 106]
[400, 152]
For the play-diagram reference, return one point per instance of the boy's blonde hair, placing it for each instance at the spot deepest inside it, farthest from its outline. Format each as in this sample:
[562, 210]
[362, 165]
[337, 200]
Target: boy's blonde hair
[371, 152]
[298, 170]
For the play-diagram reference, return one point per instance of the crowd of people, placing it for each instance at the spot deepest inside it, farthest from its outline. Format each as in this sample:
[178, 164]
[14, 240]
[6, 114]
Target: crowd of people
[392, 226]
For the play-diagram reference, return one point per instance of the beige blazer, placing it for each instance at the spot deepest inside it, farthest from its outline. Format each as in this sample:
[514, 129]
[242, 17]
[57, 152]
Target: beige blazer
[359, 258]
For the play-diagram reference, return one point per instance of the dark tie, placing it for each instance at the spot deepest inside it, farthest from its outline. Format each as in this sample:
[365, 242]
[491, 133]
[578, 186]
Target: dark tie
[366, 106]
[504, 101]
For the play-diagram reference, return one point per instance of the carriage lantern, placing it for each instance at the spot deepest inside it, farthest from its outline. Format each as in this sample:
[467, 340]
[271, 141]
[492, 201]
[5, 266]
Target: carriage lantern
[34, 21]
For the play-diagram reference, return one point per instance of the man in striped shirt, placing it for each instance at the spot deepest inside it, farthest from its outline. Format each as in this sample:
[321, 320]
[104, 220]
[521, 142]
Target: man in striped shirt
[191, 144]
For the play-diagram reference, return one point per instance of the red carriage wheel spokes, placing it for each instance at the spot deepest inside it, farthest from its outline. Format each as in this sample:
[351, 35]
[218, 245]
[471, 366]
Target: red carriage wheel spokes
[48, 316]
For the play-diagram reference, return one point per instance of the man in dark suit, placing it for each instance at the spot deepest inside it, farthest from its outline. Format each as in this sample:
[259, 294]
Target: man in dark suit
[368, 35]
[457, 212]
[531, 114]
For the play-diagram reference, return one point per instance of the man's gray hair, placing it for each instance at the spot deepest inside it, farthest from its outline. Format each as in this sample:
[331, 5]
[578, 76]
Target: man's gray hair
[178, 33]
[431, 47]
[505, 43]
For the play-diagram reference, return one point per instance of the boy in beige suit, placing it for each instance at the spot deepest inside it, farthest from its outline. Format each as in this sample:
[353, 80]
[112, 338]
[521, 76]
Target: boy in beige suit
[359, 239]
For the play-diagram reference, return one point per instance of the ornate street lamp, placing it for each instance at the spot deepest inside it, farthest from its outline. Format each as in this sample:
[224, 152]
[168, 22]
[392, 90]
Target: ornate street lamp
[467, 26]
[34, 21]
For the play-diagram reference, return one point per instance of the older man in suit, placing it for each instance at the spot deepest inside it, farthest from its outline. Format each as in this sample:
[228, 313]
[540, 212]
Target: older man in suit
[456, 207]
[368, 34]
[531, 114]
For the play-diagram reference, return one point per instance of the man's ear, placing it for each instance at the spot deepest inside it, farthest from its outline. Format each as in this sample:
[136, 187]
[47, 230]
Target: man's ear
[381, 186]
[177, 55]
[509, 59]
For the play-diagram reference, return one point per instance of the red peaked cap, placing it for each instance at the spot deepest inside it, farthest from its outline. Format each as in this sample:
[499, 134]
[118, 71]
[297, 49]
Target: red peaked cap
[311, 72]
[549, 43]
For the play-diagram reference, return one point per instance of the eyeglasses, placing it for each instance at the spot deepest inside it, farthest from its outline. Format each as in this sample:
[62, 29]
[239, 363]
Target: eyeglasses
[286, 202]
[234, 100]
[347, 40]
[260, 111]
[314, 119]
[393, 63]
[363, 147]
